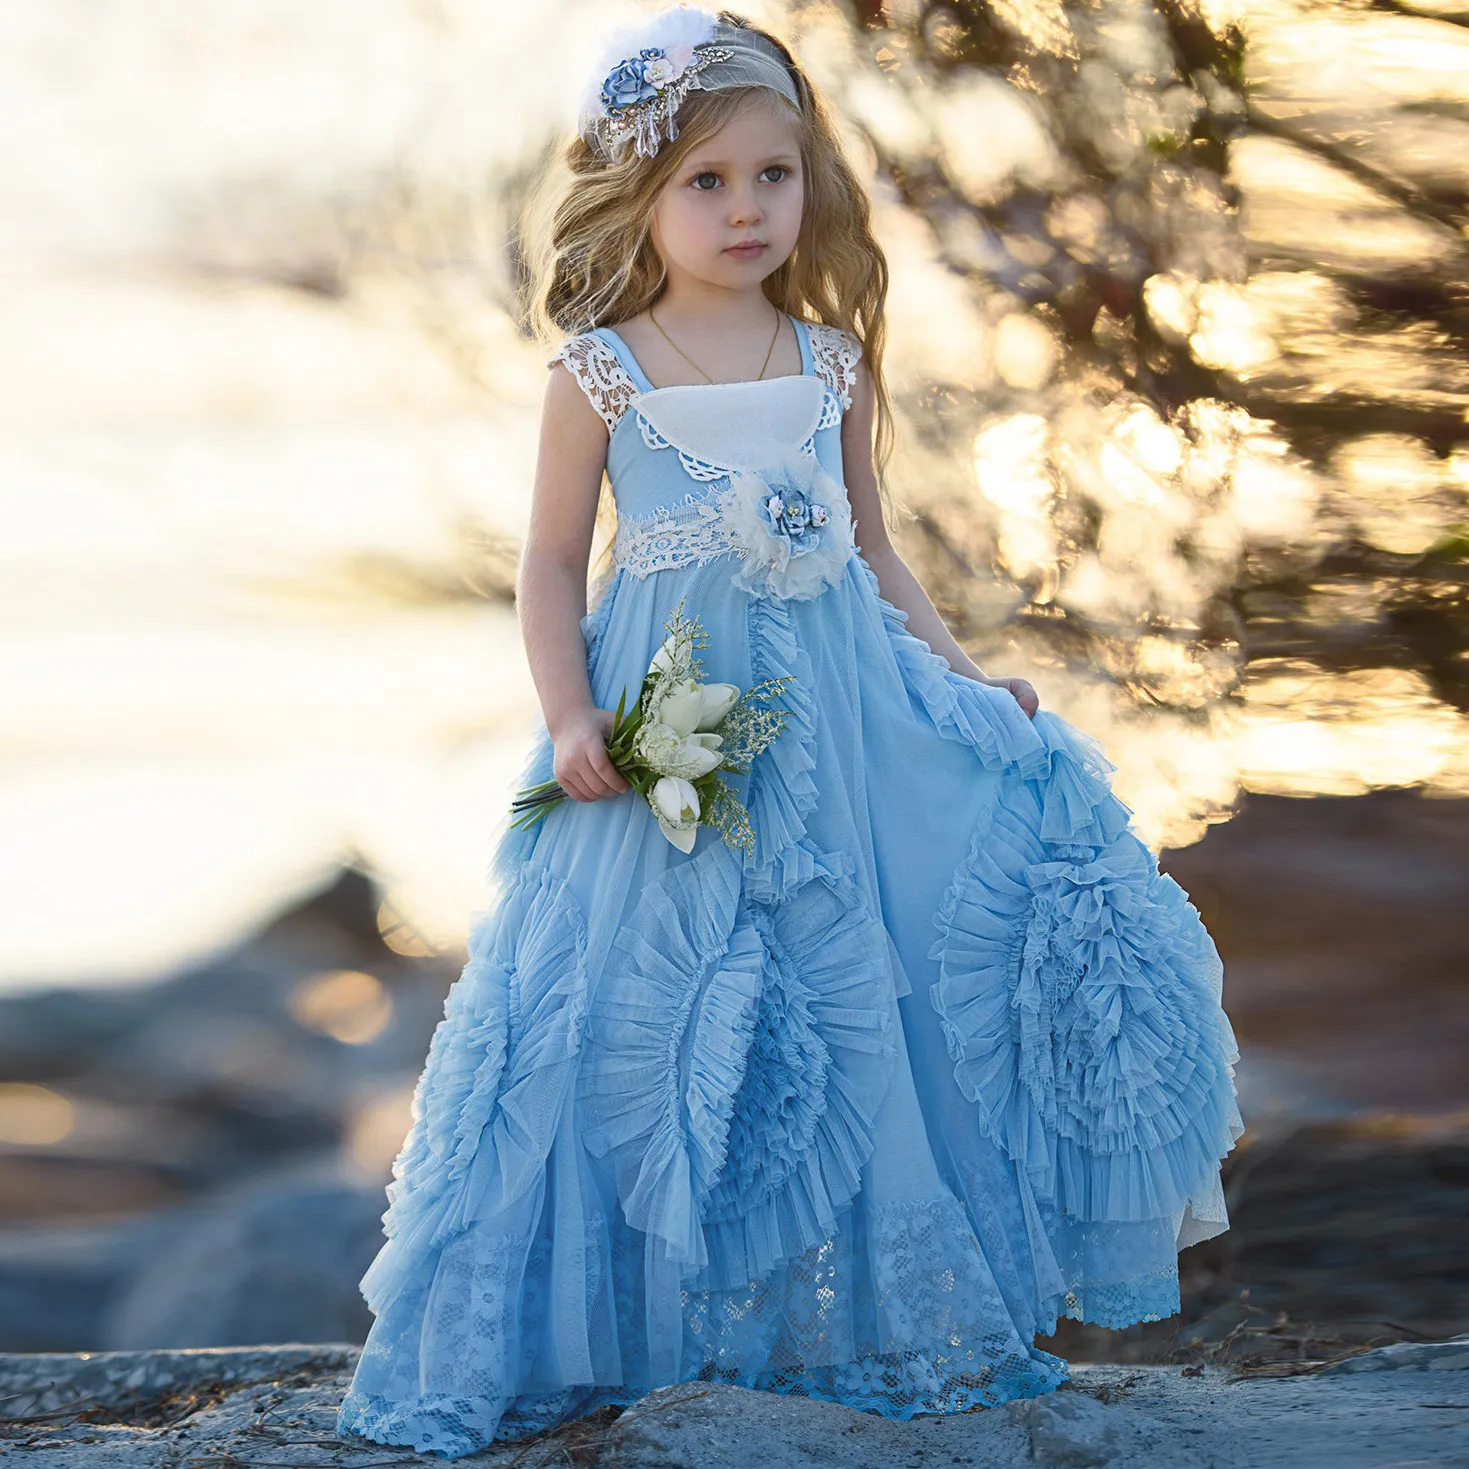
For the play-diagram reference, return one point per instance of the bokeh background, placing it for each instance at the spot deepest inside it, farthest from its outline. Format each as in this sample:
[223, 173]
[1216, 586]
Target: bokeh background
[1181, 293]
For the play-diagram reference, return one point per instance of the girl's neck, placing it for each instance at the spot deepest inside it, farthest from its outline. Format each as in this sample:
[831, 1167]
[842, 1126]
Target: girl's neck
[712, 306]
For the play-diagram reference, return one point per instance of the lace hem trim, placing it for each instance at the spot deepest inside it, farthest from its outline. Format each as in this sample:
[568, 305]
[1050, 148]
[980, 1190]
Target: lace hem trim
[897, 1385]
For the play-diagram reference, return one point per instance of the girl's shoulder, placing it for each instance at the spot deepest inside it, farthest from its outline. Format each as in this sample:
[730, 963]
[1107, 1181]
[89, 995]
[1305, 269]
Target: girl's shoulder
[592, 360]
[835, 355]
[599, 373]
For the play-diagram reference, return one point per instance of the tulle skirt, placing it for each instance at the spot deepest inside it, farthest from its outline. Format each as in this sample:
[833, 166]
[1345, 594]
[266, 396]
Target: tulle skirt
[855, 1116]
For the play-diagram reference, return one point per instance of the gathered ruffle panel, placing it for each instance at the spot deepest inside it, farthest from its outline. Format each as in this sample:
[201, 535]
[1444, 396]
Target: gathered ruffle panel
[1079, 997]
[492, 1089]
[736, 1055]
[818, 1066]
[1078, 990]
[667, 1036]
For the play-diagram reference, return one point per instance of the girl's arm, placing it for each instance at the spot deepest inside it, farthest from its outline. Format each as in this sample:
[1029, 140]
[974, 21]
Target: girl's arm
[551, 587]
[897, 581]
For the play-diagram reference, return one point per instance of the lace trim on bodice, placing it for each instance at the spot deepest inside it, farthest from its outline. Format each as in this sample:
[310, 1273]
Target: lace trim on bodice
[600, 374]
[834, 357]
[690, 531]
[698, 469]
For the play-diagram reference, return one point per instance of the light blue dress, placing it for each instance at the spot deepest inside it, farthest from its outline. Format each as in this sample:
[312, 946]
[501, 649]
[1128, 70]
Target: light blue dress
[857, 1116]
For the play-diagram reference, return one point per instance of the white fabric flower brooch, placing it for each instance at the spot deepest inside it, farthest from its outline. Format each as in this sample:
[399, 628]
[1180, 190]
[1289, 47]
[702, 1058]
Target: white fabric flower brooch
[791, 527]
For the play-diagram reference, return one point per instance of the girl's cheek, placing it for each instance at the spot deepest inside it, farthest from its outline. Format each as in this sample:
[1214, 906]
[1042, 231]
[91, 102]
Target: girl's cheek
[682, 226]
[791, 216]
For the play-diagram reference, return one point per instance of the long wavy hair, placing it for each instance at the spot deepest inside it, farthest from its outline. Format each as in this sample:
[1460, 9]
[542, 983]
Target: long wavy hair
[589, 258]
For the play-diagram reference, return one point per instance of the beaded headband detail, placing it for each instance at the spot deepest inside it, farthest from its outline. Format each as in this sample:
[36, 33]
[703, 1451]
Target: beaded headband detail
[649, 70]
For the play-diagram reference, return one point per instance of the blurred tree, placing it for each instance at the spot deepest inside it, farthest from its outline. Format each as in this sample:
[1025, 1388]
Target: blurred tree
[1242, 231]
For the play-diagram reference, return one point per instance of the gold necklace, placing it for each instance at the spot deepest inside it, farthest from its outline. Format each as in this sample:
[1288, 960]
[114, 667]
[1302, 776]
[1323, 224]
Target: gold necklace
[768, 351]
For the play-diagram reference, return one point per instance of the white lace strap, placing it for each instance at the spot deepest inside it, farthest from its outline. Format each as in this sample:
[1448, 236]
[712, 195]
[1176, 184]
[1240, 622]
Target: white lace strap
[835, 354]
[600, 375]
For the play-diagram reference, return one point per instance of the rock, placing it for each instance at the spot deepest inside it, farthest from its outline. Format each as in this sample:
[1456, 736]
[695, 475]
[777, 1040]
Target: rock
[701, 1425]
[1421, 1356]
[1072, 1430]
[277, 1260]
[159, 1410]
[57, 1284]
[127, 1382]
[146, 1409]
[46, 1032]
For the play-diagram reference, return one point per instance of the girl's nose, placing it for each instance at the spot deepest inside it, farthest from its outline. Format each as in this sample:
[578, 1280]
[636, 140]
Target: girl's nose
[744, 209]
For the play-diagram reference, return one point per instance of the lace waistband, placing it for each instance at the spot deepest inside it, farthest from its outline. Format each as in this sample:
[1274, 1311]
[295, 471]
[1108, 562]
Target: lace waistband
[790, 527]
[688, 532]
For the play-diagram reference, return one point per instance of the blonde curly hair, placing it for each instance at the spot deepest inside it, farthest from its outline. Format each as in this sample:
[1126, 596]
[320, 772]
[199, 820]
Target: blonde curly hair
[589, 258]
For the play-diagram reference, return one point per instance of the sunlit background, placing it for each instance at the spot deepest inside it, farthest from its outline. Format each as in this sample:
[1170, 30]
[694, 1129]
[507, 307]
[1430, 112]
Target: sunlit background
[1181, 292]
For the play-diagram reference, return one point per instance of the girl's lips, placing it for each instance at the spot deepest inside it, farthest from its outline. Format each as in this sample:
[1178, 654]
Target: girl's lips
[746, 251]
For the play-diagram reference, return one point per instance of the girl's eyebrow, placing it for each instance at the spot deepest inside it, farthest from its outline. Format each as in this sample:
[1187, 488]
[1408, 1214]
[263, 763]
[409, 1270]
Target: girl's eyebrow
[708, 165]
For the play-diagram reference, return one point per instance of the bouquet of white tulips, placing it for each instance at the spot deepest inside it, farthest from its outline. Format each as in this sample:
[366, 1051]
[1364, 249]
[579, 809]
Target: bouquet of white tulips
[672, 747]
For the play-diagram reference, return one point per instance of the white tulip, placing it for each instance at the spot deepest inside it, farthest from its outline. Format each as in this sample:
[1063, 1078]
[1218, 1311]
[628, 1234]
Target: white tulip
[697, 755]
[676, 804]
[681, 706]
[676, 799]
[719, 699]
[663, 749]
[658, 744]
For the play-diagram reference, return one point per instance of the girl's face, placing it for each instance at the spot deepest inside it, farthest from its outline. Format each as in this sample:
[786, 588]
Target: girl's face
[730, 214]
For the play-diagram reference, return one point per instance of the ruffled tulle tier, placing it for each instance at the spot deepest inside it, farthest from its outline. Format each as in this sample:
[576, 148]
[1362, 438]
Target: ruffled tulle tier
[1078, 990]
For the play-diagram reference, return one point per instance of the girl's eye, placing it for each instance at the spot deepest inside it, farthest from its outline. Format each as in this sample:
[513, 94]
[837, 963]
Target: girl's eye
[703, 183]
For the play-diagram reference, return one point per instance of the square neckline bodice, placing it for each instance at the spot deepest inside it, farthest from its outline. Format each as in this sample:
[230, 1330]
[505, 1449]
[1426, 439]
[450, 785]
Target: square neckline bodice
[646, 386]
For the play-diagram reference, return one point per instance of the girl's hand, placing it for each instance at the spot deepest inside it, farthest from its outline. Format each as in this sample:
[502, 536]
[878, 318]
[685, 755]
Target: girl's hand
[582, 765]
[1025, 694]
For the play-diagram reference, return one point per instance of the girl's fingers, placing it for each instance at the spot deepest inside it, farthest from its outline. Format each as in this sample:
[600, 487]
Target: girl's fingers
[593, 779]
[599, 783]
[612, 778]
[574, 787]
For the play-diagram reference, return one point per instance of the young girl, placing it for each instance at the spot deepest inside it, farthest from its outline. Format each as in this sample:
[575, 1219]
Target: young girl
[856, 1113]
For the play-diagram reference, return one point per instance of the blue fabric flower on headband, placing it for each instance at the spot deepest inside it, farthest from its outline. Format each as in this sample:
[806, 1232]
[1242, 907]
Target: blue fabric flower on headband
[637, 78]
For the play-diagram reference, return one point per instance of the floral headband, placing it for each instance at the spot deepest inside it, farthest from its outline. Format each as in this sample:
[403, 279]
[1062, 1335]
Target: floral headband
[649, 69]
